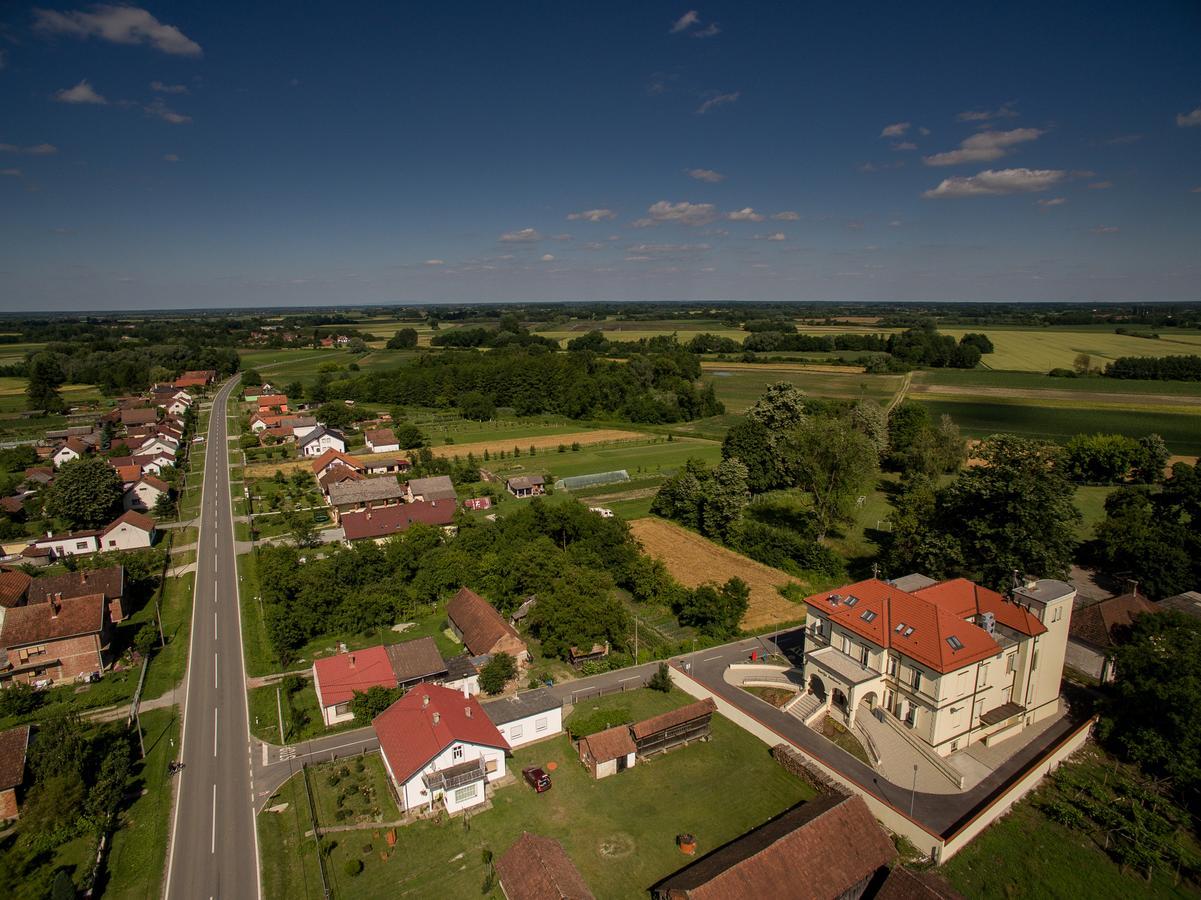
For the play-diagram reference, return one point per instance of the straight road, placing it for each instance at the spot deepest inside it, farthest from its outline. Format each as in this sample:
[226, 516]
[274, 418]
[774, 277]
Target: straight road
[214, 845]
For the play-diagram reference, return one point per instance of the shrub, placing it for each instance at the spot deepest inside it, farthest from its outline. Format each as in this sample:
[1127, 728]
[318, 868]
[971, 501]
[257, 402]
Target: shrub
[333, 779]
[661, 680]
[353, 867]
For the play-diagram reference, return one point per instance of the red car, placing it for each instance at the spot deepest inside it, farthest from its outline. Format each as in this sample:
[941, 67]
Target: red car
[537, 779]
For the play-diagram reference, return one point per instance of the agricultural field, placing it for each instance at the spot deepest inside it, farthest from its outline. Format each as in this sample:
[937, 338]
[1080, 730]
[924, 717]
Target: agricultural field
[693, 560]
[642, 459]
[739, 385]
[619, 330]
[1021, 382]
[1043, 349]
[622, 846]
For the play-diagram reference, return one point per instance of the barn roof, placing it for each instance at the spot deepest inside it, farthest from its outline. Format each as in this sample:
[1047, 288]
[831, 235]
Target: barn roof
[538, 868]
[674, 717]
[478, 621]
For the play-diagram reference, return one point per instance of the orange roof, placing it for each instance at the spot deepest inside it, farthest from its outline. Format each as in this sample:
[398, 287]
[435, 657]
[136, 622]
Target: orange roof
[341, 675]
[916, 626]
[272, 400]
[129, 473]
[136, 519]
[964, 599]
[330, 455]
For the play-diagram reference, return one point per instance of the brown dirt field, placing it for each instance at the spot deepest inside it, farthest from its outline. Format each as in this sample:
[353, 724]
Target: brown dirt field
[1135, 401]
[692, 560]
[544, 442]
[785, 367]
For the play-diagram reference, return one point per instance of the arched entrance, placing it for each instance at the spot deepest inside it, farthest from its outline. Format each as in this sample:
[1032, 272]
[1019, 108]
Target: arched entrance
[817, 688]
[869, 699]
[839, 699]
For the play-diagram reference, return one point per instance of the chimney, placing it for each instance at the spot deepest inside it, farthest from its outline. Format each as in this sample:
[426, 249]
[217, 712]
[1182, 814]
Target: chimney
[436, 717]
[466, 691]
[352, 660]
[425, 700]
[83, 577]
[467, 711]
[56, 605]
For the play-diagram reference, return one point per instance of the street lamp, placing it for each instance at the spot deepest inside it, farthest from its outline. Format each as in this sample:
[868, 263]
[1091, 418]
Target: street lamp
[913, 793]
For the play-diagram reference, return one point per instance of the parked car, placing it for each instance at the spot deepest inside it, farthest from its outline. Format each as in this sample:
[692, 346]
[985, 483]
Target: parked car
[537, 779]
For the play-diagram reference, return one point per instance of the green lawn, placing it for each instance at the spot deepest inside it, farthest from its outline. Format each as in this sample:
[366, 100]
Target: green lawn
[352, 791]
[641, 460]
[137, 858]
[1034, 349]
[288, 859]
[981, 418]
[1027, 855]
[302, 715]
[620, 832]
[168, 663]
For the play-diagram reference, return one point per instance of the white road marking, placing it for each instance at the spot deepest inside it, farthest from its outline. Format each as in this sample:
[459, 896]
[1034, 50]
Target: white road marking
[631, 678]
[214, 670]
[264, 754]
[213, 839]
[711, 658]
[214, 626]
[214, 732]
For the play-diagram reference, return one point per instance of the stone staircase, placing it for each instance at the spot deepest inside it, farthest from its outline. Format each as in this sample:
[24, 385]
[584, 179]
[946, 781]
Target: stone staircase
[804, 706]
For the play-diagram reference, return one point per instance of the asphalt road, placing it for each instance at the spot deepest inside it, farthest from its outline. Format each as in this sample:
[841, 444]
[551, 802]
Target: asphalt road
[214, 846]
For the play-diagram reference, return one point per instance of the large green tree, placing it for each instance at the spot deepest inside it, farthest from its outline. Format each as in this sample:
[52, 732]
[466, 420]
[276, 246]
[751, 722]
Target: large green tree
[835, 464]
[85, 493]
[758, 438]
[46, 376]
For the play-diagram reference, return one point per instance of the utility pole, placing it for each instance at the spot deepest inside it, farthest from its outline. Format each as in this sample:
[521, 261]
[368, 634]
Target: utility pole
[635, 638]
[279, 709]
[913, 793]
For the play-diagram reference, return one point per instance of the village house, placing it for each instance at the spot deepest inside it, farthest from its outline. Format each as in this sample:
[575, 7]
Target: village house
[273, 403]
[71, 543]
[14, 747]
[463, 674]
[538, 868]
[109, 582]
[260, 422]
[386, 465]
[154, 463]
[522, 486]
[197, 378]
[159, 444]
[830, 848]
[71, 449]
[336, 475]
[527, 716]
[144, 415]
[401, 665]
[301, 426]
[321, 439]
[482, 629]
[381, 440]
[331, 458]
[1096, 629]
[144, 492]
[14, 589]
[55, 641]
[438, 746]
[952, 662]
[252, 392]
[437, 487]
[368, 493]
[130, 531]
[383, 522]
[416, 661]
[608, 752]
[130, 474]
[177, 407]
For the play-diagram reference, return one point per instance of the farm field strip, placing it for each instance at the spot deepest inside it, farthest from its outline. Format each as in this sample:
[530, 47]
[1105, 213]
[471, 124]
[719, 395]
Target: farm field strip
[692, 560]
[1188, 405]
[989, 378]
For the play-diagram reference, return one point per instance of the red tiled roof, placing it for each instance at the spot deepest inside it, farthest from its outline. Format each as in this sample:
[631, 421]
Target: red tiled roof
[963, 598]
[272, 400]
[387, 520]
[927, 625]
[12, 505]
[109, 581]
[409, 737]
[13, 587]
[822, 848]
[75, 444]
[330, 455]
[35, 624]
[673, 717]
[13, 745]
[130, 473]
[610, 744]
[145, 416]
[537, 868]
[341, 675]
[191, 381]
[157, 483]
[381, 436]
[133, 518]
[1096, 624]
[477, 620]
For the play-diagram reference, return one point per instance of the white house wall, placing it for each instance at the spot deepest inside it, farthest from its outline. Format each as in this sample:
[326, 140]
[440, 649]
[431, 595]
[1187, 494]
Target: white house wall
[532, 728]
[414, 794]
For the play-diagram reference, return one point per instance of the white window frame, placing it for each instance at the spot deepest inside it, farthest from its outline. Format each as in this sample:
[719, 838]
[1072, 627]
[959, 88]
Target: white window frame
[467, 792]
[456, 752]
[541, 724]
[515, 731]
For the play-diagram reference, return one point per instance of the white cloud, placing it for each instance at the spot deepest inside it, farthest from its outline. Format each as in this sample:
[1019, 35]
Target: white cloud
[787, 216]
[705, 175]
[35, 150]
[685, 21]
[11, 173]
[683, 213]
[710, 30]
[1106, 229]
[81, 93]
[560, 237]
[1052, 201]
[983, 146]
[522, 236]
[546, 257]
[160, 110]
[1189, 120]
[435, 262]
[161, 88]
[905, 145]
[718, 100]
[746, 214]
[171, 157]
[1005, 111]
[997, 182]
[1100, 185]
[895, 130]
[119, 25]
[774, 236]
[592, 215]
[895, 223]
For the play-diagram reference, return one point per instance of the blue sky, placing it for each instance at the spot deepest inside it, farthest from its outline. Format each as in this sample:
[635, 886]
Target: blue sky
[205, 154]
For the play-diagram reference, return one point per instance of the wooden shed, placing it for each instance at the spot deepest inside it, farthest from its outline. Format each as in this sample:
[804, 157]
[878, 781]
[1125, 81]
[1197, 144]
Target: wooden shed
[608, 752]
[673, 729]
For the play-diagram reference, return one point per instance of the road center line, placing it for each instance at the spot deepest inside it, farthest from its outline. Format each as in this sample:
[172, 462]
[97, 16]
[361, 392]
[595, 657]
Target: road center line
[213, 839]
[214, 732]
[214, 669]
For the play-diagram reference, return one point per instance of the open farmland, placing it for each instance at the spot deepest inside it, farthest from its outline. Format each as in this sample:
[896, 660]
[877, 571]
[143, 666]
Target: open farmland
[642, 456]
[692, 560]
[1043, 349]
[738, 385]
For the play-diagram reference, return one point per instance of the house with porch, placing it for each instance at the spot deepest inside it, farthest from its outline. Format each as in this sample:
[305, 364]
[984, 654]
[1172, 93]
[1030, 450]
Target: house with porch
[522, 486]
[951, 662]
[439, 747]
